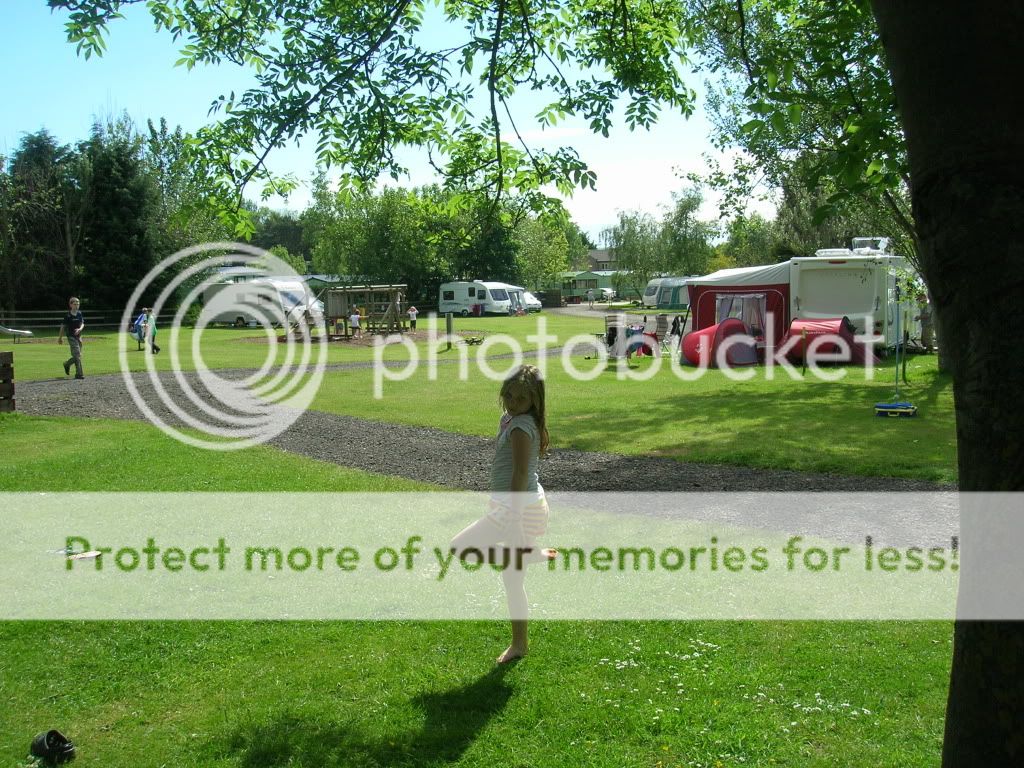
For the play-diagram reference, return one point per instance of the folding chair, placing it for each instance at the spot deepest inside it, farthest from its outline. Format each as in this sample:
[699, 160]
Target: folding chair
[614, 336]
[661, 332]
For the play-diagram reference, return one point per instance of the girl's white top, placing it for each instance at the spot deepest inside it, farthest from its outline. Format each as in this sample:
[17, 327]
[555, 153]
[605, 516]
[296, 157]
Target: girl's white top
[501, 470]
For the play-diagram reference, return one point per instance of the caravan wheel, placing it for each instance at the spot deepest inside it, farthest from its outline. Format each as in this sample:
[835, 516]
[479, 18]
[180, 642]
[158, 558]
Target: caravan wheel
[465, 313]
[239, 322]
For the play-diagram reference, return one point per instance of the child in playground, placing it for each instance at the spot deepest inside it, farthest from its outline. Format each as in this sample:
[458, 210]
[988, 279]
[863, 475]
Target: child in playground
[518, 512]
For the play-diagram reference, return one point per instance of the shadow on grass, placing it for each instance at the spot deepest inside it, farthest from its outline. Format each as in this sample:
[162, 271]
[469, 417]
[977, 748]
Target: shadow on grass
[451, 722]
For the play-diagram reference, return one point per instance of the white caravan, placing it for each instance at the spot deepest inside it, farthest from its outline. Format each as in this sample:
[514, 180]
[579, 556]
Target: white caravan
[264, 301]
[859, 283]
[516, 297]
[650, 297]
[461, 296]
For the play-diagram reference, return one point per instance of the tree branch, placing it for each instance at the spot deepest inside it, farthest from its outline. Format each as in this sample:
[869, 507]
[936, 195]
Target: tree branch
[492, 86]
[285, 126]
[901, 218]
[744, 55]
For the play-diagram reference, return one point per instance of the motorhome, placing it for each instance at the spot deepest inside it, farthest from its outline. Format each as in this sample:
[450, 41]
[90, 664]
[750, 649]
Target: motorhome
[264, 301]
[466, 297]
[859, 283]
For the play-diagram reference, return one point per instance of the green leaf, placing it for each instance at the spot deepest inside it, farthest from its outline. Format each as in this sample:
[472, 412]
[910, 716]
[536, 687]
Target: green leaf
[821, 213]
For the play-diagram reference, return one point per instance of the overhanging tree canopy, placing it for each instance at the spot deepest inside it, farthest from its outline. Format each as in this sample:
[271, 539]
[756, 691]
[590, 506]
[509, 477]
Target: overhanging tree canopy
[366, 78]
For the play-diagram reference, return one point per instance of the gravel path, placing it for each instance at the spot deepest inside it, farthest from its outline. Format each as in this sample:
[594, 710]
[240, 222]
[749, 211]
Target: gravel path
[431, 455]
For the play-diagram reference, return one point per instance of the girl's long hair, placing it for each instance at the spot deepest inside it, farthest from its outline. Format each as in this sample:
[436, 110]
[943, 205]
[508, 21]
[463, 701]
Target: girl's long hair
[526, 382]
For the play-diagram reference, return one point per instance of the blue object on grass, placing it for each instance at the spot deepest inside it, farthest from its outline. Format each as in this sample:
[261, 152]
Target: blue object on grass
[895, 409]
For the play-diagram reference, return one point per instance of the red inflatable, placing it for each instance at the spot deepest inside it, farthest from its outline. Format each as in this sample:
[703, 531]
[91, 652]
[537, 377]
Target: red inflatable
[830, 328]
[701, 347]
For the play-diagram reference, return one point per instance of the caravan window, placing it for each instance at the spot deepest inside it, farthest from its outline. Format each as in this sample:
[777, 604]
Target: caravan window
[448, 296]
[293, 299]
[472, 292]
[498, 294]
[749, 308]
[652, 289]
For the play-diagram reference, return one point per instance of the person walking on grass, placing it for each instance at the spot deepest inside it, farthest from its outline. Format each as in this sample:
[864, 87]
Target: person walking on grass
[72, 325]
[151, 331]
[412, 317]
[518, 512]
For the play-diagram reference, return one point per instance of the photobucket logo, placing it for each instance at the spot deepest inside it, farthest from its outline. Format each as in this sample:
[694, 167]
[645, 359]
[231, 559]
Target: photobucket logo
[734, 351]
[250, 407]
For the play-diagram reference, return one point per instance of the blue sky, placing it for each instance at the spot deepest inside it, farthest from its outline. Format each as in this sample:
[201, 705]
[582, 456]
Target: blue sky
[47, 85]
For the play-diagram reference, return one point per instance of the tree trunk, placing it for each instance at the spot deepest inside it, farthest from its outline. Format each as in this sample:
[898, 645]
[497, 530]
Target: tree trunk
[942, 360]
[957, 70]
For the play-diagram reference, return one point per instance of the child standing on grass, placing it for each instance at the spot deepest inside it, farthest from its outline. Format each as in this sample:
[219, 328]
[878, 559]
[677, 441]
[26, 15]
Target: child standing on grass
[518, 511]
[353, 322]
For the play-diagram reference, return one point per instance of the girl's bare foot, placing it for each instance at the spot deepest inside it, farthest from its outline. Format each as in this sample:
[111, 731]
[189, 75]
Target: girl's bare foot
[538, 555]
[511, 654]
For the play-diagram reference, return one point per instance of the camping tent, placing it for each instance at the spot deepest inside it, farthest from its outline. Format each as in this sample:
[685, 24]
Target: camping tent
[701, 347]
[839, 327]
[758, 297]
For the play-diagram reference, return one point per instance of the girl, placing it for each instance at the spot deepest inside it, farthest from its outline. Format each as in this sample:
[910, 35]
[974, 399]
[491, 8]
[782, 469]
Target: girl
[353, 321]
[518, 512]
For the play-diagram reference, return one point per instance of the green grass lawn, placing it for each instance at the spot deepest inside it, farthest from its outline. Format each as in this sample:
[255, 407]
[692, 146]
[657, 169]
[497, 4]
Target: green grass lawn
[265, 694]
[64, 454]
[807, 424]
[802, 425]
[658, 694]
[220, 347]
[262, 695]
